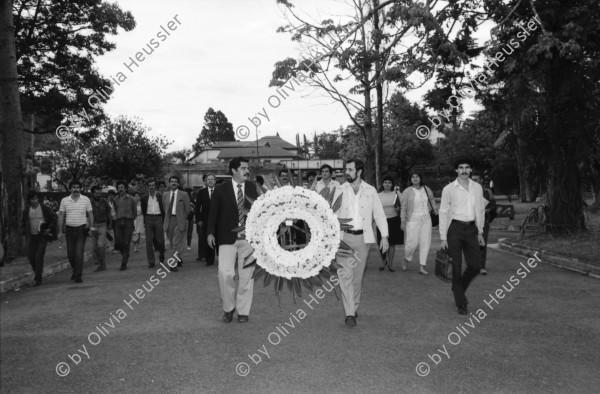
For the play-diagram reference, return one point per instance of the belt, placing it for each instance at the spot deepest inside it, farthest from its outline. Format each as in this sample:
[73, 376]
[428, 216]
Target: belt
[173, 215]
[153, 214]
[355, 232]
[465, 223]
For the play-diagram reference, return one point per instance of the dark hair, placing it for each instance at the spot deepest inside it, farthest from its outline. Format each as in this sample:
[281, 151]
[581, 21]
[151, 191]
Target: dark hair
[122, 183]
[387, 178]
[32, 194]
[188, 190]
[463, 160]
[136, 192]
[235, 163]
[111, 191]
[73, 183]
[311, 173]
[149, 181]
[282, 170]
[421, 183]
[260, 180]
[207, 175]
[328, 167]
[95, 187]
[161, 183]
[204, 178]
[358, 164]
[477, 173]
[176, 177]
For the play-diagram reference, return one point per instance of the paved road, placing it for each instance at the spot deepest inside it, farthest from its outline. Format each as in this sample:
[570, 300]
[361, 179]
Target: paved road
[542, 337]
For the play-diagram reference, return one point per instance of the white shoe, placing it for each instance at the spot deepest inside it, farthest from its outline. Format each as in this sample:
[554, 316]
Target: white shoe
[483, 271]
[189, 248]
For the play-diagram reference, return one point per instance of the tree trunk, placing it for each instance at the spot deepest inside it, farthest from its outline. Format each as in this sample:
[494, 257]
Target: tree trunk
[379, 91]
[12, 168]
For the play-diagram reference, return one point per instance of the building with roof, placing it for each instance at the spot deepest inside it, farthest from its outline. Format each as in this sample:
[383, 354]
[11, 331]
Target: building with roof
[268, 149]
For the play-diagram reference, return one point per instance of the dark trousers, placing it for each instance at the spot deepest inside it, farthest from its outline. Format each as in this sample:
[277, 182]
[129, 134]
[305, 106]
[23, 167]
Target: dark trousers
[204, 251]
[462, 238]
[190, 231]
[37, 250]
[76, 237]
[123, 232]
[155, 236]
[483, 249]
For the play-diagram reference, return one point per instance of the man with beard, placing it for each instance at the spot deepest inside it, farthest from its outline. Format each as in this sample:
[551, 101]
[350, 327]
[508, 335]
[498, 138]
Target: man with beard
[202, 207]
[39, 225]
[102, 215]
[75, 207]
[126, 212]
[154, 214]
[227, 211]
[362, 205]
[176, 218]
[462, 216]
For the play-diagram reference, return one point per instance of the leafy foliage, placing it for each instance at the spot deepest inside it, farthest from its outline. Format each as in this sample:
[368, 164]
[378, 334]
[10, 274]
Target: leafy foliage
[216, 128]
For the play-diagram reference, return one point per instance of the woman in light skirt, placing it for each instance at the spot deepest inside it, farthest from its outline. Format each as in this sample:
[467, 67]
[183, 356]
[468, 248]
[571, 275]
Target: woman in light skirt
[417, 202]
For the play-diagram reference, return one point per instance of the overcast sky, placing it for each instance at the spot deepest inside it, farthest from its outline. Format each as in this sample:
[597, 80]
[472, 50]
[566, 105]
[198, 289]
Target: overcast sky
[221, 55]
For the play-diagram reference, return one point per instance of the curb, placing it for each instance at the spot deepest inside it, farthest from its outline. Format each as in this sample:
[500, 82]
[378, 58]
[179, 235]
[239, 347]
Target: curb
[49, 270]
[552, 258]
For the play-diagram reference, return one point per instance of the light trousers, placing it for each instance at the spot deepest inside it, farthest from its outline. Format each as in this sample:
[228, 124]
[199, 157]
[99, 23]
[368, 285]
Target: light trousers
[418, 233]
[351, 275]
[228, 256]
[176, 238]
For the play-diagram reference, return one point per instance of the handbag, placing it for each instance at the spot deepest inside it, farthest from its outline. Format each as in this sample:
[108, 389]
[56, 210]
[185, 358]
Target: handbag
[435, 218]
[443, 265]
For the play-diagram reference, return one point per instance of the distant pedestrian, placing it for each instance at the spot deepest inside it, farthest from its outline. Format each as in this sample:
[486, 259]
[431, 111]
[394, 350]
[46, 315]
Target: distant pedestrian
[162, 187]
[490, 213]
[190, 218]
[417, 202]
[39, 225]
[461, 229]
[326, 179]
[202, 208]
[73, 211]
[113, 215]
[260, 181]
[126, 212]
[178, 207]
[154, 214]
[389, 200]
[103, 221]
[138, 223]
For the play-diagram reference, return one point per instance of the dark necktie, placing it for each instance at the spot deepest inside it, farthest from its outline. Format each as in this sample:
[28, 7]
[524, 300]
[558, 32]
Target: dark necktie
[210, 192]
[240, 203]
[172, 202]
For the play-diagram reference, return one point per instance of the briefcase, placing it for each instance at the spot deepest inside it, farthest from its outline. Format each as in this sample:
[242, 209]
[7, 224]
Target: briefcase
[443, 266]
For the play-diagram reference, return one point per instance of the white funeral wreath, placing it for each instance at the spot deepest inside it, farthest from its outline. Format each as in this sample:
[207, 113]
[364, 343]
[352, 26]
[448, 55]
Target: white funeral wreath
[272, 209]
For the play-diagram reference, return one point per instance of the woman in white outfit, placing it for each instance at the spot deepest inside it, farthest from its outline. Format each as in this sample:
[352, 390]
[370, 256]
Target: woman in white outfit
[417, 201]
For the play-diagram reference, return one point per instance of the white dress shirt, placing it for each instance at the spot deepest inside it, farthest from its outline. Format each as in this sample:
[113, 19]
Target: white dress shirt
[174, 207]
[153, 207]
[461, 204]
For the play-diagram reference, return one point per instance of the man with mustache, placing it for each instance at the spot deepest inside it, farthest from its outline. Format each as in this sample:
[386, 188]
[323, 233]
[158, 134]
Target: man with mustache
[360, 203]
[462, 215]
[154, 213]
[228, 210]
[76, 208]
[176, 218]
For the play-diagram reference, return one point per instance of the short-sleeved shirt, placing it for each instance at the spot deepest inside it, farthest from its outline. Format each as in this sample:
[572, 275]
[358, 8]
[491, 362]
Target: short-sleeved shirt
[75, 210]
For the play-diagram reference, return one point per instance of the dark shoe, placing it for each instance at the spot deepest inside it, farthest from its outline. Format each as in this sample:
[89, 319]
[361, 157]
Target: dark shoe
[483, 271]
[207, 264]
[174, 269]
[73, 277]
[391, 269]
[350, 321]
[382, 268]
[242, 319]
[78, 280]
[462, 310]
[151, 265]
[37, 283]
[123, 268]
[100, 269]
[228, 316]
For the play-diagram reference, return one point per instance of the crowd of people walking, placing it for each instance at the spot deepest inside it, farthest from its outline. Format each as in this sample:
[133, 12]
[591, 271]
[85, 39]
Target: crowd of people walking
[399, 218]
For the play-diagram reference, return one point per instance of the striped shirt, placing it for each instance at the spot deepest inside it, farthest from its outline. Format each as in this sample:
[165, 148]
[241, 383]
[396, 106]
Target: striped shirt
[75, 210]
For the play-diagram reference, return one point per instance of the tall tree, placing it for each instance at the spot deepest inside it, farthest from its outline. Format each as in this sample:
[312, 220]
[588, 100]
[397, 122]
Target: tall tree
[216, 128]
[363, 49]
[12, 165]
[125, 150]
[328, 145]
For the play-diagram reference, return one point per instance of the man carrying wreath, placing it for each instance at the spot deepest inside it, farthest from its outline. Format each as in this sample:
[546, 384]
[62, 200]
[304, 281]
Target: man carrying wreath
[360, 203]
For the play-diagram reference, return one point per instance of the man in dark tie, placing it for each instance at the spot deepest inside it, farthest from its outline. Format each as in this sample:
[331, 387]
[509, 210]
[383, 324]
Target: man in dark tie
[178, 207]
[228, 211]
[202, 208]
[154, 214]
